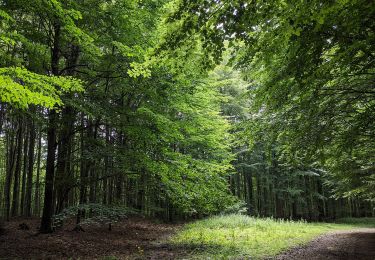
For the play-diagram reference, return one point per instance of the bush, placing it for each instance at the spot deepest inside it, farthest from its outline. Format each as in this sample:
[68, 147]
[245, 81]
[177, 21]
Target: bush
[237, 208]
[97, 214]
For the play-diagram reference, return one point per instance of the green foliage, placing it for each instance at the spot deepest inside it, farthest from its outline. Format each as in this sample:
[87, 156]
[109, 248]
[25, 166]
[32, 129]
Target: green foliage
[309, 65]
[312, 86]
[237, 208]
[98, 214]
[193, 147]
[239, 236]
[21, 88]
[139, 114]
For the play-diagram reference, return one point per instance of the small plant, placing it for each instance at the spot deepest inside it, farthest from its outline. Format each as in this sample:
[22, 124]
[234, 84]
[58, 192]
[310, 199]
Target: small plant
[98, 214]
[237, 208]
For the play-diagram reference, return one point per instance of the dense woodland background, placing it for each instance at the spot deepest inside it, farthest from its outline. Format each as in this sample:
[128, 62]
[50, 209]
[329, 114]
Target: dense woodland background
[182, 109]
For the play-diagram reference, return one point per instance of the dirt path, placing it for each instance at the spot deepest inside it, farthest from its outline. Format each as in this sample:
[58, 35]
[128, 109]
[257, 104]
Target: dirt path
[356, 244]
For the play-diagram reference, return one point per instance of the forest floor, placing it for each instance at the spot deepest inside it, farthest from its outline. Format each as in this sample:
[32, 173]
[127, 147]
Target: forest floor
[356, 244]
[134, 238]
[234, 237]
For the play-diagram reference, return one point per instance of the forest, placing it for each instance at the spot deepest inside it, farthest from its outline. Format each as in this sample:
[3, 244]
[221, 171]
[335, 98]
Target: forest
[173, 111]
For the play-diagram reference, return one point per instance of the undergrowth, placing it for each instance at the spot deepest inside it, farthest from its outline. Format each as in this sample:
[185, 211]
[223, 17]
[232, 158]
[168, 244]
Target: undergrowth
[238, 236]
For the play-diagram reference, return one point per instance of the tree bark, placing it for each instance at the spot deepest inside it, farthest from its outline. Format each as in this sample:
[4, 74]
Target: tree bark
[83, 175]
[48, 208]
[30, 169]
[63, 158]
[46, 225]
[37, 181]
[17, 171]
[24, 169]
[11, 154]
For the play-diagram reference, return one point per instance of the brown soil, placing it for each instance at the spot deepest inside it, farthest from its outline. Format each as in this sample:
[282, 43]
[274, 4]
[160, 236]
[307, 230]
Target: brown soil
[342, 245]
[135, 238]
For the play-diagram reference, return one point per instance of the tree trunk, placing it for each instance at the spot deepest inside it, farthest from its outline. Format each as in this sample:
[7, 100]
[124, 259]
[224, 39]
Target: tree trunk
[17, 171]
[11, 154]
[48, 208]
[37, 181]
[68, 117]
[106, 166]
[24, 169]
[63, 157]
[83, 175]
[30, 170]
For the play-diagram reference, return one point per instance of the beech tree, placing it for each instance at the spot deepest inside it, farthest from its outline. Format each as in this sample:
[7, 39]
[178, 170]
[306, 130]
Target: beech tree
[309, 65]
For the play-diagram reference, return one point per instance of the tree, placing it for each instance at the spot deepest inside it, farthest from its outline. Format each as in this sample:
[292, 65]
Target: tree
[309, 64]
[129, 116]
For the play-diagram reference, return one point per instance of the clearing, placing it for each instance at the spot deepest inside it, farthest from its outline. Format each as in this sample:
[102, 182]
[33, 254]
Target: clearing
[243, 237]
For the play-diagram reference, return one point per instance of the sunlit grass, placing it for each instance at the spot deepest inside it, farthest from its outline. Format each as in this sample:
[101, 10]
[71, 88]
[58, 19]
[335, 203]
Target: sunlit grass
[239, 236]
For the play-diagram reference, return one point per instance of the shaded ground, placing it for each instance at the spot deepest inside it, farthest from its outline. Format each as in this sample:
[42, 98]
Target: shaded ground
[356, 244]
[135, 238]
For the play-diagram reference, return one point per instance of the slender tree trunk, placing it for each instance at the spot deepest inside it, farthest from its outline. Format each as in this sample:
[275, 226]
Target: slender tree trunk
[65, 140]
[11, 154]
[250, 193]
[37, 181]
[30, 170]
[24, 169]
[63, 158]
[83, 175]
[106, 166]
[48, 205]
[17, 171]
[93, 172]
[110, 190]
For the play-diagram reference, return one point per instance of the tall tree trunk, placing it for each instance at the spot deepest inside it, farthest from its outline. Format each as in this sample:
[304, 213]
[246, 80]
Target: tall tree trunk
[68, 117]
[63, 157]
[11, 154]
[93, 172]
[48, 205]
[30, 170]
[106, 166]
[24, 168]
[250, 193]
[37, 181]
[83, 174]
[17, 170]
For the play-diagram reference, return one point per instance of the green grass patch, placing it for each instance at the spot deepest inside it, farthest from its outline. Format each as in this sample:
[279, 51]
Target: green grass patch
[239, 236]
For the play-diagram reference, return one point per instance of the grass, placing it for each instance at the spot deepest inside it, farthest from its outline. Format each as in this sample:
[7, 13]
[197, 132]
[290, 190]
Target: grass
[239, 236]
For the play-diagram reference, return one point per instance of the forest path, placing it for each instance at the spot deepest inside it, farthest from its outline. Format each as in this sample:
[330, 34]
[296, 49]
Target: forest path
[358, 244]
